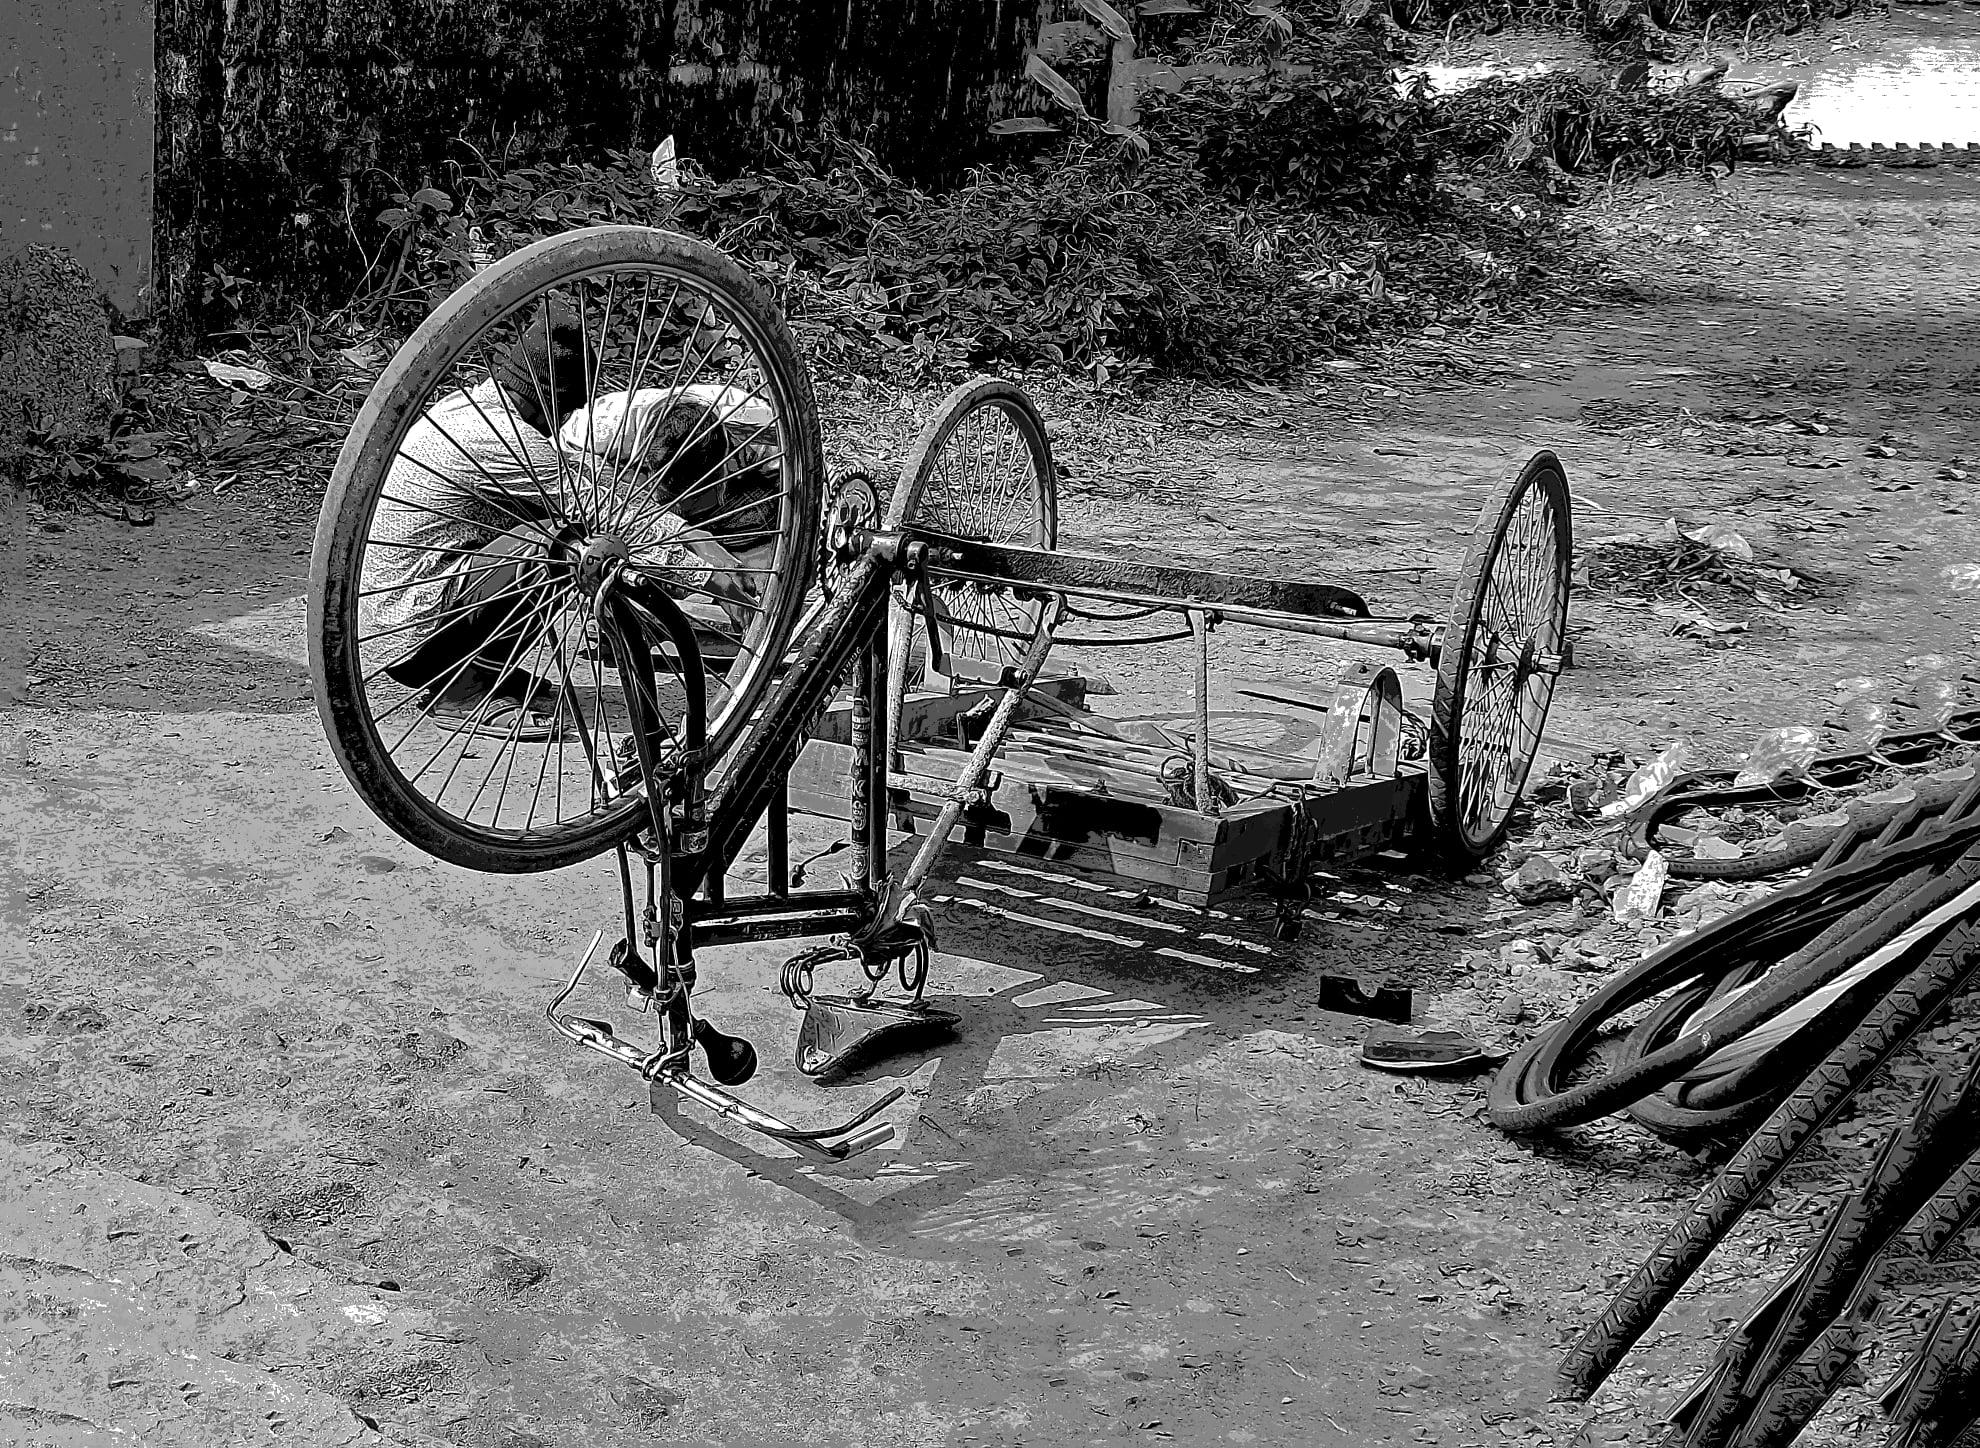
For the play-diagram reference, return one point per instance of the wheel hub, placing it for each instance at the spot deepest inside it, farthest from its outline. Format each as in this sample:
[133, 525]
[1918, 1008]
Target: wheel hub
[599, 557]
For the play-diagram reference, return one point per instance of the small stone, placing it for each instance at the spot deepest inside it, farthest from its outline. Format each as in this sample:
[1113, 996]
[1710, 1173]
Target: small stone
[1510, 1008]
[647, 1402]
[432, 1050]
[83, 1016]
[1567, 923]
[1584, 796]
[1713, 848]
[1538, 880]
[1519, 955]
[513, 1272]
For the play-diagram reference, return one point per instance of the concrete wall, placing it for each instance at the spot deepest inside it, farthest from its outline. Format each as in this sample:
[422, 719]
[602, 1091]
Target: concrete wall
[76, 107]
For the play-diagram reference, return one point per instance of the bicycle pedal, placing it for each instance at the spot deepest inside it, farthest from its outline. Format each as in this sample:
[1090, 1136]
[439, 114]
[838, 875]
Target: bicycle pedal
[731, 1059]
[838, 1030]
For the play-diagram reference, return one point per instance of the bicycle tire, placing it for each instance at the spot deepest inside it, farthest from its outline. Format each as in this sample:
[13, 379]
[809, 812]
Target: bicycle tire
[1815, 1103]
[1792, 1401]
[1523, 1098]
[1845, 1268]
[1776, 1069]
[433, 354]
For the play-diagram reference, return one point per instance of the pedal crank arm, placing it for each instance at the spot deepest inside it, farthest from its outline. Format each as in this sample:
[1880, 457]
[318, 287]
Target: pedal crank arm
[857, 1136]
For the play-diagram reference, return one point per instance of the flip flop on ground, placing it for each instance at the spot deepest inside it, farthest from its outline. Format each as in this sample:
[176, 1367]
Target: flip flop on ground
[492, 715]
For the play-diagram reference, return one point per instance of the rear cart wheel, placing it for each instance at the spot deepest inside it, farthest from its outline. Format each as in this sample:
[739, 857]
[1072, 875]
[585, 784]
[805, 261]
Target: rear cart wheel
[618, 397]
[1501, 655]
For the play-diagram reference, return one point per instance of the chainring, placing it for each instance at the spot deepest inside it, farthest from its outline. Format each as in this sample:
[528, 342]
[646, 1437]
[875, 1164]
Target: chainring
[852, 507]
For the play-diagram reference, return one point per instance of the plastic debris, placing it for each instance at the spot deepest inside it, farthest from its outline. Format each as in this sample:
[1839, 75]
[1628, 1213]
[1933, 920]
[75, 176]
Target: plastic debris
[1936, 698]
[666, 169]
[1723, 538]
[1642, 897]
[1864, 723]
[1649, 779]
[1779, 754]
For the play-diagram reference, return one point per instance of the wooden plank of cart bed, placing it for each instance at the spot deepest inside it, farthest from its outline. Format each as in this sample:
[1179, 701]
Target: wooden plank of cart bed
[1014, 774]
[1102, 861]
[1013, 831]
[1237, 759]
[1204, 856]
[1021, 808]
[1101, 751]
[1199, 873]
[923, 713]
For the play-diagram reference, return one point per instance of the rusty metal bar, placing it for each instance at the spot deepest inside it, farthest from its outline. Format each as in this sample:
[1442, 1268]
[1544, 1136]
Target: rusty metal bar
[1116, 580]
[1321, 610]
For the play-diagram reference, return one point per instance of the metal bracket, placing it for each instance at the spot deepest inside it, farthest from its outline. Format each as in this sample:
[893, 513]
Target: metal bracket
[1363, 733]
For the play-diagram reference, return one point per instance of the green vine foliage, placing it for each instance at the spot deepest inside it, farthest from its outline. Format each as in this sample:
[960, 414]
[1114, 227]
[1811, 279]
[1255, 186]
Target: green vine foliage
[1089, 259]
[1253, 224]
[1325, 139]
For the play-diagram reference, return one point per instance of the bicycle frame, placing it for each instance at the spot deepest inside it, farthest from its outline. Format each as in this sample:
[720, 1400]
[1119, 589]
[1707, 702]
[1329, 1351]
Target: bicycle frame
[691, 845]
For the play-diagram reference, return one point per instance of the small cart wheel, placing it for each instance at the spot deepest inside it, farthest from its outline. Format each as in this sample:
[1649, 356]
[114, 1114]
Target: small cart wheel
[1500, 657]
[982, 469]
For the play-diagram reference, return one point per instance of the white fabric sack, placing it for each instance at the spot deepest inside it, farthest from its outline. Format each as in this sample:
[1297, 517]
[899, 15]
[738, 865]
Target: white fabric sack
[620, 427]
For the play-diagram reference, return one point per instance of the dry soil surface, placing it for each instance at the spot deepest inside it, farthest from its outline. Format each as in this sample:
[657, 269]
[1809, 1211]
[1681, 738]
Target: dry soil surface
[289, 1155]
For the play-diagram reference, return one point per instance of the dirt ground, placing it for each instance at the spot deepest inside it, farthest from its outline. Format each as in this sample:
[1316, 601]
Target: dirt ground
[288, 1153]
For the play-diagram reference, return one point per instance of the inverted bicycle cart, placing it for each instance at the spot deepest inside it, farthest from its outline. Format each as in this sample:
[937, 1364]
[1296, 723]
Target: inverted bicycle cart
[727, 636]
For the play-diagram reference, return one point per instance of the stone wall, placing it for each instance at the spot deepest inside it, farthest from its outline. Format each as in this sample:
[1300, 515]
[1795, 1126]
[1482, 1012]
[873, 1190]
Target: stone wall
[273, 110]
[76, 136]
[55, 380]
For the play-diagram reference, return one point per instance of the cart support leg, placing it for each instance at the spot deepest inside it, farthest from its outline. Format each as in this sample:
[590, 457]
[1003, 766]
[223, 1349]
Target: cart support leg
[1199, 624]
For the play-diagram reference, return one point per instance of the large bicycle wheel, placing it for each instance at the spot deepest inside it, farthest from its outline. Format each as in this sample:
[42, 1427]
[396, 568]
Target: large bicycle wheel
[982, 469]
[1501, 656]
[617, 397]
